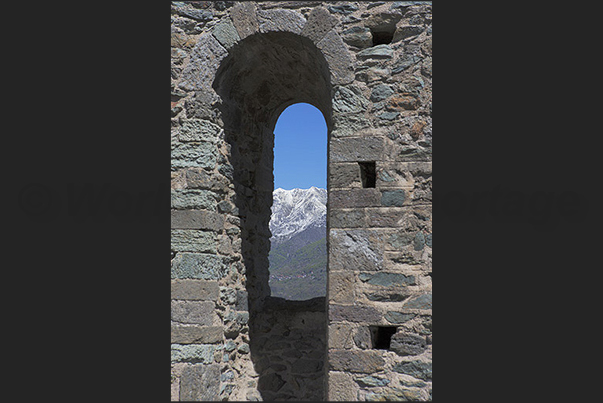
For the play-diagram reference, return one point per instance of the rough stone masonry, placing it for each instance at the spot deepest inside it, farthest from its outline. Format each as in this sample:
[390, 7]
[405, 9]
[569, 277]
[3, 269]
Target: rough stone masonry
[235, 66]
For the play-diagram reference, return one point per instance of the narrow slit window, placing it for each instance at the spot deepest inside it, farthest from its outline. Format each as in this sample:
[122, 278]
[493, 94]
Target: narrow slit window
[368, 174]
[381, 336]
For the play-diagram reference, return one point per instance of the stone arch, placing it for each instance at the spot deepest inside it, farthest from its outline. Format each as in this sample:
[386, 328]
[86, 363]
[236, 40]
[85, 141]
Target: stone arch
[245, 73]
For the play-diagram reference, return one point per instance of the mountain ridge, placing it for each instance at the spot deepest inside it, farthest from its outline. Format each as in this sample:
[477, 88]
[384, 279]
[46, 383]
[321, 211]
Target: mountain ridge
[298, 256]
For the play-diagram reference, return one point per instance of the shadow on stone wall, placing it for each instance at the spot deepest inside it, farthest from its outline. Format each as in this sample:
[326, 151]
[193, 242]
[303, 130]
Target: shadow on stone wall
[288, 344]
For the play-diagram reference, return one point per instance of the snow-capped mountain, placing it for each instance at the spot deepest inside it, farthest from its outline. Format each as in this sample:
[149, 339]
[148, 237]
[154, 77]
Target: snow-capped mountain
[297, 210]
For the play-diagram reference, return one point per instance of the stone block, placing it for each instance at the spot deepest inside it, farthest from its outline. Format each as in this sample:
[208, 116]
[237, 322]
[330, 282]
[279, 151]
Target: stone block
[341, 287]
[198, 266]
[197, 334]
[205, 58]
[193, 353]
[340, 335]
[200, 383]
[320, 21]
[393, 198]
[190, 240]
[199, 155]
[281, 21]
[304, 366]
[407, 344]
[398, 317]
[372, 381]
[381, 92]
[244, 18]
[369, 197]
[198, 130]
[195, 290]
[387, 295]
[354, 249]
[365, 362]
[349, 125]
[344, 175]
[349, 99]
[418, 369]
[361, 37]
[354, 313]
[342, 387]
[422, 302]
[386, 217]
[376, 52]
[362, 338]
[347, 218]
[338, 58]
[196, 219]
[193, 199]
[194, 312]
[388, 279]
[353, 149]
[226, 33]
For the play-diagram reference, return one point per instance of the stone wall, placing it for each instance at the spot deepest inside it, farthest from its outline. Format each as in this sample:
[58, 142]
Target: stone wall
[235, 67]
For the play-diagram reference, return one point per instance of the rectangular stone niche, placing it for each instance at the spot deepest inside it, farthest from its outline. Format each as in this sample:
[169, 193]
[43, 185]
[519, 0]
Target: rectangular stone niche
[381, 336]
[368, 174]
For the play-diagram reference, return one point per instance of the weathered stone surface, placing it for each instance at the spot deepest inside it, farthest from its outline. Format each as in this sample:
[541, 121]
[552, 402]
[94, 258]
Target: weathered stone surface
[422, 301]
[368, 197]
[345, 175]
[338, 58]
[349, 99]
[376, 52]
[345, 8]
[388, 279]
[360, 37]
[340, 336]
[198, 266]
[362, 338]
[198, 130]
[193, 199]
[190, 240]
[417, 369]
[199, 290]
[372, 381]
[354, 250]
[320, 21]
[341, 287]
[398, 317]
[342, 387]
[200, 383]
[244, 18]
[388, 295]
[396, 394]
[353, 313]
[407, 31]
[201, 154]
[350, 149]
[406, 60]
[196, 219]
[281, 21]
[381, 92]
[366, 362]
[226, 33]
[194, 312]
[194, 353]
[350, 125]
[347, 218]
[197, 334]
[407, 344]
[393, 197]
[205, 58]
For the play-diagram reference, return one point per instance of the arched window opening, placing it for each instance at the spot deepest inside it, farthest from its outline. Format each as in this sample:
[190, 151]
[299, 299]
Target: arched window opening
[298, 253]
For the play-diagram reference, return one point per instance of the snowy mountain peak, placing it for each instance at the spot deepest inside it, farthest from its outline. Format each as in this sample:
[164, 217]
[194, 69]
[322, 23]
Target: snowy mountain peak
[296, 210]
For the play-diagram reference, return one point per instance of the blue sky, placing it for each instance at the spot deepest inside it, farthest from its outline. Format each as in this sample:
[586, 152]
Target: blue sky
[300, 148]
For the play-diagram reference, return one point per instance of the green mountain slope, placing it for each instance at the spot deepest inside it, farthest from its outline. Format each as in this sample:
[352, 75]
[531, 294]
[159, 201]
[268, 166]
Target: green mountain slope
[298, 273]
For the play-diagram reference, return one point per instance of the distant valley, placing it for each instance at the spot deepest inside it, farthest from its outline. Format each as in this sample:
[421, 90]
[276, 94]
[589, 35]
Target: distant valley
[298, 252]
